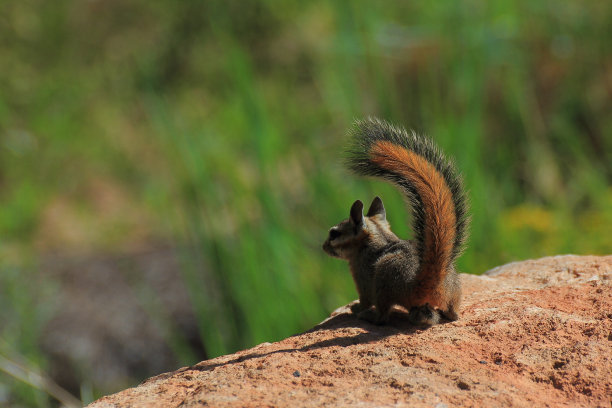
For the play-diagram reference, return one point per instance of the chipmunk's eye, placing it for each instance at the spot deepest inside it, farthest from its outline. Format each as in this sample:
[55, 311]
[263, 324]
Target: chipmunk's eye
[333, 234]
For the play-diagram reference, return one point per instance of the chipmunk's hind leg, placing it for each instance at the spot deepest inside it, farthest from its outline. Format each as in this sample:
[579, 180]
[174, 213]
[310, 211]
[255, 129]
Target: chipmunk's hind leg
[450, 314]
[423, 315]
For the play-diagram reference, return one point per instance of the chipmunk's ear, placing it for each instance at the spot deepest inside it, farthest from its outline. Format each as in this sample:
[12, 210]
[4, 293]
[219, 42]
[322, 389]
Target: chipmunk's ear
[377, 208]
[357, 214]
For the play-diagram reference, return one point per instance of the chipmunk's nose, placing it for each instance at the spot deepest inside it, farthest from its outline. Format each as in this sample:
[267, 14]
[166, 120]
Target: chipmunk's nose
[329, 249]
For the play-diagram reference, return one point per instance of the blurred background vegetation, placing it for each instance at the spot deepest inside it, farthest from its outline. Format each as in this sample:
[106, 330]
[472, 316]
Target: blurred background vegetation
[214, 128]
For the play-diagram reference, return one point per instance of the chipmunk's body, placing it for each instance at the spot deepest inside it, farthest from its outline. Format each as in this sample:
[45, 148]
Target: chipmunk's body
[420, 274]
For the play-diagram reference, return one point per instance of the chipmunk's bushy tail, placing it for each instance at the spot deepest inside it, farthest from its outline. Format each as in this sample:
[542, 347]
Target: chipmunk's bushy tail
[430, 182]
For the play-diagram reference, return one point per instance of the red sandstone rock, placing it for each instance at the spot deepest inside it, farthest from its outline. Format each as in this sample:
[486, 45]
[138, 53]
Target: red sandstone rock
[532, 333]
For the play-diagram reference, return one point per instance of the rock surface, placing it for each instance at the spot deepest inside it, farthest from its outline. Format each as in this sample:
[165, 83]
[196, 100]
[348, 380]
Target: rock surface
[532, 333]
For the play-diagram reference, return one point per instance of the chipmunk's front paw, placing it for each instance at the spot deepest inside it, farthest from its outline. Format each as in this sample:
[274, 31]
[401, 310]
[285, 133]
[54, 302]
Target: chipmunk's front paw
[359, 307]
[373, 316]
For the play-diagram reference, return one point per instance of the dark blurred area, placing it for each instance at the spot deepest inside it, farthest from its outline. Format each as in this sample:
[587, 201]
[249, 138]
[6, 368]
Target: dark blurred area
[103, 328]
[168, 170]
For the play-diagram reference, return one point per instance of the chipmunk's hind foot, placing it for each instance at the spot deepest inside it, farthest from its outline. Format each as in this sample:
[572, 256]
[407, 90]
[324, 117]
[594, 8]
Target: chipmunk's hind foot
[423, 315]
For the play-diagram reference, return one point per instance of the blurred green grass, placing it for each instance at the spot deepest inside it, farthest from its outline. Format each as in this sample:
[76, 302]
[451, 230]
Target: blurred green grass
[218, 126]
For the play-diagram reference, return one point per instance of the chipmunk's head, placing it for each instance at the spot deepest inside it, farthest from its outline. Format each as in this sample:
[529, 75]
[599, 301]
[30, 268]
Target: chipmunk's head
[357, 230]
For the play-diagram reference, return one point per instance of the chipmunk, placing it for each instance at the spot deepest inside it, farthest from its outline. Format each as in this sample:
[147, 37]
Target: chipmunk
[419, 275]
